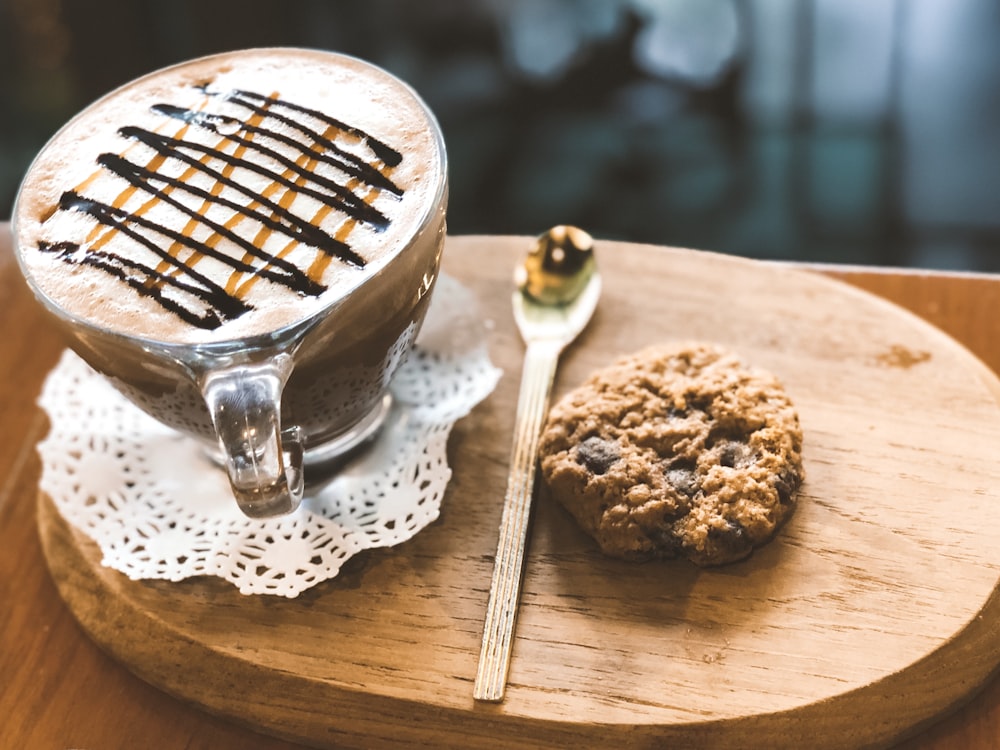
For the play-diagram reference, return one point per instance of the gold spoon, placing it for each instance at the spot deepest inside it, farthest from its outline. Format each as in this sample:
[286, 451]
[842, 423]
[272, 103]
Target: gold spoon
[557, 291]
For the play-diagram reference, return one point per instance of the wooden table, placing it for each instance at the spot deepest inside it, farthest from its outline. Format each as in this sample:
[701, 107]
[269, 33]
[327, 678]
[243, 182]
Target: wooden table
[57, 689]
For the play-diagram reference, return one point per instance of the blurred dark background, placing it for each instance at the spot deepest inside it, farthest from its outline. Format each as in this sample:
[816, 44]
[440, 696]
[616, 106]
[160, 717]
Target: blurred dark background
[858, 131]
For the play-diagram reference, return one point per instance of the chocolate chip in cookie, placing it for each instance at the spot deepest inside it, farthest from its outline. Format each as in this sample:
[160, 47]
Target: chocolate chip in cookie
[597, 454]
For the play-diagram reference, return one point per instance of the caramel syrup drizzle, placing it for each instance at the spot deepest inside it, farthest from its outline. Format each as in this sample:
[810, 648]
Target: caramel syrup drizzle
[175, 282]
[321, 261]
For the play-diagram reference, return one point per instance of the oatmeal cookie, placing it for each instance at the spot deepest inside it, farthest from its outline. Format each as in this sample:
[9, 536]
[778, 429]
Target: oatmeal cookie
[676, 451]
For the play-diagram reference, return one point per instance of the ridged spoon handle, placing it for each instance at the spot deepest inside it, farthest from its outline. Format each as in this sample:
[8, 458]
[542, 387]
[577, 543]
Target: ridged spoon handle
[539, 370]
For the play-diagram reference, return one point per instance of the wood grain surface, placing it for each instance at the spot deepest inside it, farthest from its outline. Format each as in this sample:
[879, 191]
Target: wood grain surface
[872, 614]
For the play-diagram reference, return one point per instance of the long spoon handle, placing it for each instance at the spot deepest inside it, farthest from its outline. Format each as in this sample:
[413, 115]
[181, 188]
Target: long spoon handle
[508, 571]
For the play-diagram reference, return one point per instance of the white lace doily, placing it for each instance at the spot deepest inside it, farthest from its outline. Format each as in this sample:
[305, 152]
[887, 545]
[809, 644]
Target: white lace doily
[158, 508]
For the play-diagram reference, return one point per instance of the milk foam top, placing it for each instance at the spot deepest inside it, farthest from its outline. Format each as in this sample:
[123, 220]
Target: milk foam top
[229, 196]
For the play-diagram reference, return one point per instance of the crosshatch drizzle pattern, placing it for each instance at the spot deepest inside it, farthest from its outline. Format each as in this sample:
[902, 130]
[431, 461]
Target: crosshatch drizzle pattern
[301, 153]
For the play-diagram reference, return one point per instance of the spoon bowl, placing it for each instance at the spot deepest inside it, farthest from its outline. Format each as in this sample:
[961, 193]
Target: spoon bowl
[557, 287]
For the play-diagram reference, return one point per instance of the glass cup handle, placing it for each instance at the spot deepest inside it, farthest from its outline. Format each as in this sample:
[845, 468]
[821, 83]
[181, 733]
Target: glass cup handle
[263, 461]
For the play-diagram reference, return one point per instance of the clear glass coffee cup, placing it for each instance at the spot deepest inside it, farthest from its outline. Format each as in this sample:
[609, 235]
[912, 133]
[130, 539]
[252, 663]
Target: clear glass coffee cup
[245, 246]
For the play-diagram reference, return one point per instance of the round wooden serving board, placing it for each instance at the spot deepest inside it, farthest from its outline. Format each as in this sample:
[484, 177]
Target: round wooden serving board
[873, 611]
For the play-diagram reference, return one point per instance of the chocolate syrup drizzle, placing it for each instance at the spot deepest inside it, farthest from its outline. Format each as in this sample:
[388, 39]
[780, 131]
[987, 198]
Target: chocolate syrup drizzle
[175, 283]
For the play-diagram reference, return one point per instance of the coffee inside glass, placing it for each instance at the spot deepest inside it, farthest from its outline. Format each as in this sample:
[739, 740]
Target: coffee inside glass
[245, 246]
